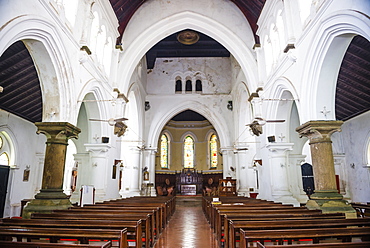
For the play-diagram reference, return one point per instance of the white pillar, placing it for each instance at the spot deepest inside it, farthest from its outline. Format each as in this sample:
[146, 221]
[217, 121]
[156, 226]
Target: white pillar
[279, 177]
[83, 176]
[295, 177]
[150, 164]
[242, 172]
[99, 168]
[131, 172]
[227, 158]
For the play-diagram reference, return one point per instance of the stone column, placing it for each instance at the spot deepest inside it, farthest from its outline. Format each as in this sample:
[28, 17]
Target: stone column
[51, 195]
[279, 173]
[326, 196]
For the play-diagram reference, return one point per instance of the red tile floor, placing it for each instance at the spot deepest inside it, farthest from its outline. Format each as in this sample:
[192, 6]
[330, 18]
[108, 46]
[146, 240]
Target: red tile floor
[188, 227]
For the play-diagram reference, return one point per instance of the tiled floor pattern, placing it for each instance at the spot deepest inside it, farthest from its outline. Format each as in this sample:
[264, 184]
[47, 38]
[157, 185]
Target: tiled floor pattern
[187, 228]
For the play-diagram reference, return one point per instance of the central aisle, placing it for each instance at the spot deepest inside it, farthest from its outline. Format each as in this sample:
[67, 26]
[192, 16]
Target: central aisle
[188, 227]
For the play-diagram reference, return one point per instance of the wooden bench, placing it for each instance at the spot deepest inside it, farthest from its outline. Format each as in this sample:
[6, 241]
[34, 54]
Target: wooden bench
[322, 245]
[134, 228]
[159, 212]
[13, 244]
[146, 219]
[55, 234]
[363, 210]
[221, 222]
[235, 226]
[224, 229]
[315, 234]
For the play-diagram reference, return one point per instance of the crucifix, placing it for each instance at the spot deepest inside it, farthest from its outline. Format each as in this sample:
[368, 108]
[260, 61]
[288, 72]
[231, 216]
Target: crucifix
[96, 138]
[325, 112]
[281, 137]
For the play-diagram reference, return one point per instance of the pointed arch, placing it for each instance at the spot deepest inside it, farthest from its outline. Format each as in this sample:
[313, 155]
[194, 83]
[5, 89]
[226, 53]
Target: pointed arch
[325, 56]
[48, 52]
[145, 39]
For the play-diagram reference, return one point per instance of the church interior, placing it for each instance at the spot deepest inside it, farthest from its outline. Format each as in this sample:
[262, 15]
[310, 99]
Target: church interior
[202, 103]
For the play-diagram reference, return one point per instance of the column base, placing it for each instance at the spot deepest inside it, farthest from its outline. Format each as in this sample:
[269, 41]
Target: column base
[330, 201]
[286, 199]
[46, 201]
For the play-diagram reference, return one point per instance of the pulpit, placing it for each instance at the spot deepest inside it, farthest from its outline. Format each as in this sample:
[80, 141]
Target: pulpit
[227, 187]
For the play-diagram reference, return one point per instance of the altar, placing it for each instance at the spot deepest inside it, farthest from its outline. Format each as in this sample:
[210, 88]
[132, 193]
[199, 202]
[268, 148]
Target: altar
[189, 189]
[189, 182]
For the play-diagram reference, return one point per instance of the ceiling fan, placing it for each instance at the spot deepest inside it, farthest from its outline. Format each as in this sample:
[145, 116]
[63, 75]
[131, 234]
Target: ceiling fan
[258, 122]
[119, 126]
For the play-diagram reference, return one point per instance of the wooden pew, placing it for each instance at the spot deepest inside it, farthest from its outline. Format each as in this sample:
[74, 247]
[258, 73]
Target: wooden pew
[322, 245]
[157, 217]
[13, 244]
[221, 222]
[146, 219]
[55, 234]
[166, 204]
[295, 234]
[277, 217]
[134, 228]
[235, 226]
[363, 210]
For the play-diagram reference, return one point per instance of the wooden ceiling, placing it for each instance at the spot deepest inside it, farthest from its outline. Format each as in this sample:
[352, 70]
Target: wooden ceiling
[22, 93]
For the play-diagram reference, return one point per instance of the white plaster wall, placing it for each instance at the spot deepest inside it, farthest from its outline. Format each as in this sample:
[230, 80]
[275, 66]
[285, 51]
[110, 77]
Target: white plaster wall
[27, 146]
[161, 80]
[354, 144]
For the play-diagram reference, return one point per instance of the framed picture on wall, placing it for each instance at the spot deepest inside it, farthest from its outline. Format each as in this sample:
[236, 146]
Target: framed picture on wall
[26, 175]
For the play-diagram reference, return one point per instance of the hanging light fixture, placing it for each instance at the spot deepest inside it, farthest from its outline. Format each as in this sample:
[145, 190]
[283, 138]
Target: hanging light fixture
[188, 37]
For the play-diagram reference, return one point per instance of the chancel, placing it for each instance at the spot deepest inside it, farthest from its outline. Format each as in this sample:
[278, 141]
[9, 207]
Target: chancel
[162, 112]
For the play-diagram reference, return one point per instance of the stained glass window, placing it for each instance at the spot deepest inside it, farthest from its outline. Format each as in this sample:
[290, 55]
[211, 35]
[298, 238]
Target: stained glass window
[189, 152]
[213, 150]
[164, 151]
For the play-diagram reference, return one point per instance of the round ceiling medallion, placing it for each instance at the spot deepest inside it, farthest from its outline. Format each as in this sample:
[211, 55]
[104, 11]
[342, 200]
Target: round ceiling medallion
[188, 37]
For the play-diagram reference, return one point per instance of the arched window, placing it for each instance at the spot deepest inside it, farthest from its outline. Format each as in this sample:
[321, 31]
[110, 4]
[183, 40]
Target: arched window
[198, 85]
[4, 157]
[188, 86]
[189, 152]
[178, 87]
[213, 151]
[164, 151]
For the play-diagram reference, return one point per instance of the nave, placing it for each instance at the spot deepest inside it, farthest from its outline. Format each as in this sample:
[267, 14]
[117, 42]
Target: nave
[188, 227]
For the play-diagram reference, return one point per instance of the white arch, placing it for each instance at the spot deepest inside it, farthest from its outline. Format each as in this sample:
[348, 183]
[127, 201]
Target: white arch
[188, 20]
[324, 59]
[38, 34]
[218, 123]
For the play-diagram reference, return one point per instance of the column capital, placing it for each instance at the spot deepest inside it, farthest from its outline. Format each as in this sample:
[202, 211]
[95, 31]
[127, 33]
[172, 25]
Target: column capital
[57, 132]
[319, 131]
[97, 149]
[279, 147]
